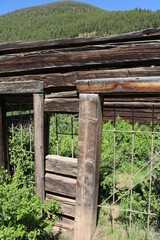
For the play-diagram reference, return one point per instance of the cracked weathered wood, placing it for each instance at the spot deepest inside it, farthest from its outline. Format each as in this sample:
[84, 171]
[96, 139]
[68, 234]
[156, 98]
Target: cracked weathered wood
[147, 34]
[61, 165]
[60, 184]
[46, 60]
[89, 151]
[21, 87]
[61, 105]
[120, 85]
[38, 100]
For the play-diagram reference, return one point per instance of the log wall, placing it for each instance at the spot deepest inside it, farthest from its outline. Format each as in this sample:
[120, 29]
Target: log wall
[54, 67]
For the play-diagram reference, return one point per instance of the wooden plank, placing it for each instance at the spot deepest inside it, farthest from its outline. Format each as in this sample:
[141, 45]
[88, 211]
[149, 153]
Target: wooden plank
[130, 104]
[120, 85]
[67, 204]
[125, 55]
[61, 105]
[39, 144]
[21, 87]
[74, 42]
[61, 165]
[61, 185]
[89, 152]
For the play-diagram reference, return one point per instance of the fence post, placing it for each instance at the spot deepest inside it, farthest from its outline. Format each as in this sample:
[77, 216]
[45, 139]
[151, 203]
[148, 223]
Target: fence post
[4, 157]
[38, 101]
[1, 140]
[89, 152]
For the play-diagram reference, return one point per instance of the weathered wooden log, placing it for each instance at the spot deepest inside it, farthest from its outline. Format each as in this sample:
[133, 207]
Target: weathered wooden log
[125, 55]
[61, 105]
[120, 85]
[61, 165]
[67, 204]
[21, 87]
[147, 34]
[61, 185]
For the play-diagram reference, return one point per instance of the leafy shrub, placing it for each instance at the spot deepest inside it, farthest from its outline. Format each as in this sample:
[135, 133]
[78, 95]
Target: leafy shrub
[20, 208]
[123, 156]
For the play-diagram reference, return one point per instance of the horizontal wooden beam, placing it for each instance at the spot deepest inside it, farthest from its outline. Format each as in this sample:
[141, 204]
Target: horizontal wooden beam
[120, 85]
[137, 104]
[67, 94]
[74, 42]
[51, 60]
[67, 81]
[61, 185]
[61, 165]
[61, 105]
[21, 87]
[111, 100]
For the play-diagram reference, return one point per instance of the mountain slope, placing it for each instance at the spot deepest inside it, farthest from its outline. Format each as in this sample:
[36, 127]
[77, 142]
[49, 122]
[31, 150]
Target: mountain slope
[71, 19]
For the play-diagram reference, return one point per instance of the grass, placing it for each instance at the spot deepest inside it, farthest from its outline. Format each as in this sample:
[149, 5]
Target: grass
[121, 231]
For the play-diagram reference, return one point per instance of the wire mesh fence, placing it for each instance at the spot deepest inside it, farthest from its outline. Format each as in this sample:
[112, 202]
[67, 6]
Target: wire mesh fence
[63, 138]
[20, 127]
[130, 164]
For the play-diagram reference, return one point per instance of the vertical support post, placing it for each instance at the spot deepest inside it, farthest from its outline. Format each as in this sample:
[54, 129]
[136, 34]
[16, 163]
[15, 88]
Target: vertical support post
[4, 136]
[1, 140]
[89, 152]
[38, 101]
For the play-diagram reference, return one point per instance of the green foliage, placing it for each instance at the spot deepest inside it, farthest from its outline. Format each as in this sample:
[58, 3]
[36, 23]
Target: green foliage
[18, 198]
[71, 19]
[20, 208]
[123, 156]
[63, 134]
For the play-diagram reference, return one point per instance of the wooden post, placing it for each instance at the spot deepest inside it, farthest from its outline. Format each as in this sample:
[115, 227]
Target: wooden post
[89, 152]
[4, 156]
[1, 140]
[38, 100]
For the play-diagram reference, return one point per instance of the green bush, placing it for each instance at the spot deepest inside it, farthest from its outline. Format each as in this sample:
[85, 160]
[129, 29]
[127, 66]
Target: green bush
[21, 210]
[123, 156]
[22, 214]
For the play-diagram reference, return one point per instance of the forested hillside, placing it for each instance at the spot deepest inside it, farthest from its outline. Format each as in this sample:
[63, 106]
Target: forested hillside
[72, 19]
